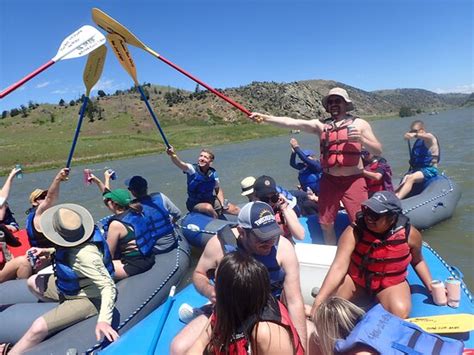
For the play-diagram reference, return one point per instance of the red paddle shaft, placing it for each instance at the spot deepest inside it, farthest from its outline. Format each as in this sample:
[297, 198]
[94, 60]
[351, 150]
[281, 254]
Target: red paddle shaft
[26, 78]
[222, 96]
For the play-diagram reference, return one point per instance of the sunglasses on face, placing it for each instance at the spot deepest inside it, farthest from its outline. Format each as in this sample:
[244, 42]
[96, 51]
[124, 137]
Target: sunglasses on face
[271, 198]
[334, 101]
[41, 197]
[414, 130]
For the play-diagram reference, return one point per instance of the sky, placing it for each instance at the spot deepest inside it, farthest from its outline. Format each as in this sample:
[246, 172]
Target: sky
[368, 44]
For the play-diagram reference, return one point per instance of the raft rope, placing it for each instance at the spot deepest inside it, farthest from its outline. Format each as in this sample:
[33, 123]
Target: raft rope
[451, 270]
[444, 193]
[134, 313]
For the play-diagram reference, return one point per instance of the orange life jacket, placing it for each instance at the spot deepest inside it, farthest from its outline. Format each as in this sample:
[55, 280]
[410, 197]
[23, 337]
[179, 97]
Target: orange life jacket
[374, 185]
[336, 149]
[380, 260]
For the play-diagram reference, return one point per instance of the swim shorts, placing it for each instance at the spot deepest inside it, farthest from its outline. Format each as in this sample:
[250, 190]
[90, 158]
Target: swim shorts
[134, 265]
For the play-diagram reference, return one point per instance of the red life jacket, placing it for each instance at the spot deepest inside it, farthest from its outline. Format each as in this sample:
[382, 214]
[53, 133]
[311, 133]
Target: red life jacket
[274, 312]
[380, 260]
[336, 149]
[374, 185]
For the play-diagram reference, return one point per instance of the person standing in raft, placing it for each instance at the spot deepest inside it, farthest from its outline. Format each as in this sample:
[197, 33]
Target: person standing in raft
[81, 282]
[424, 158]
[205, 195]
[372, 258]
[341, 137]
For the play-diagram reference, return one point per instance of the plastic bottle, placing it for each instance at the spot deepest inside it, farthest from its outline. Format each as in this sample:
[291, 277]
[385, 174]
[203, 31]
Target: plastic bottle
[19, 175]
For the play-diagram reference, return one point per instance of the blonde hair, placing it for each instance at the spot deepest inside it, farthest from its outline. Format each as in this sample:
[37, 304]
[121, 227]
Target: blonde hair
[335, 319]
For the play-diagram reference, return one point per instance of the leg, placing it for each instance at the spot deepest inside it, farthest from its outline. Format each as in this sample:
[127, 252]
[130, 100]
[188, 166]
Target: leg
[205, 208]
[18, 267]
[188, 335]
[329, 198]
[120, 272]
[44, 287]
[350, 291]
[35, 335]
[329, 234]
[354, 194]
[396, 299]
[411, 179]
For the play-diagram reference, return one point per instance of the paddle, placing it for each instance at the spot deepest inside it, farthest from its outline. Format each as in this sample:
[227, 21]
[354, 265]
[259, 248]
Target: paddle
[123, 55]
[448, 323]
[77, 44]
[92, 72]
[161, 323]
[112, 26]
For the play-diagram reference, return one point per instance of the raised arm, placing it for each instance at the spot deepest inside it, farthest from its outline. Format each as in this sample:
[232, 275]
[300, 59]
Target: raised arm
[176, 160]
[53, 192]
[310, 126]
[5, 191]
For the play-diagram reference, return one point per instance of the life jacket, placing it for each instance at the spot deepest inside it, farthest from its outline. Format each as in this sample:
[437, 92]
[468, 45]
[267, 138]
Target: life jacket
[383, 184]
[9, 219]
[392, 335]
[67, 281]
[36, 238]
[421, 157]
[274, 312]
[307, 178]
[336, 149]
[201, 185]
[230, 244]
[380, 260]
[163, 233]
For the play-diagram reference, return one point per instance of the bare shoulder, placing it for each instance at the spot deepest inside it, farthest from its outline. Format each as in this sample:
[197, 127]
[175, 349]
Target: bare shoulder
[272, 338]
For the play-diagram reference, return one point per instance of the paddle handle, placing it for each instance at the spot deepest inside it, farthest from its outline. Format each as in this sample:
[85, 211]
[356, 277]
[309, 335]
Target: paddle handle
[25, 79]
[76, 134]
[157, 123]
[214, 91]
[161, 323]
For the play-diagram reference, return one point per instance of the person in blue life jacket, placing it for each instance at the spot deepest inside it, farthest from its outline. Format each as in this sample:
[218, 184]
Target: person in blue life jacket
[40, 201]
[309, 176]
[341, 327]
[424, 158]
[377, 173]
[205, 195]
[259, 235]
[82, 281]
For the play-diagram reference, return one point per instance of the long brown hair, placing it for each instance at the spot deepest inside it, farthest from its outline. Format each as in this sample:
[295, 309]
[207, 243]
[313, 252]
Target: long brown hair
[242, 291]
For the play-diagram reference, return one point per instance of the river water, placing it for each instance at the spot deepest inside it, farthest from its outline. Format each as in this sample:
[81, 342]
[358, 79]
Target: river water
[453, 239]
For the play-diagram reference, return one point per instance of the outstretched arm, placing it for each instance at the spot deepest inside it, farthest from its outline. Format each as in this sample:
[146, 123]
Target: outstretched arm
[176, 160]
[5, 191]
[53, 192]
[311, 126]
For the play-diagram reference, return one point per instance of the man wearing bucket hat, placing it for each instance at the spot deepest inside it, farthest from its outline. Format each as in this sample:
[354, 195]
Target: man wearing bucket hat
[373, 257]
[341, 139]
[81, 282]
[257, 234]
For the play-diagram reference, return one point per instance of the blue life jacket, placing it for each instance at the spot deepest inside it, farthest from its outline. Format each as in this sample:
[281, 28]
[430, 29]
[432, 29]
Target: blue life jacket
[36, 238]
[67, 281]
[277, 275]
[308, 178]
[389, 334]
[421, 157]
[201, 186]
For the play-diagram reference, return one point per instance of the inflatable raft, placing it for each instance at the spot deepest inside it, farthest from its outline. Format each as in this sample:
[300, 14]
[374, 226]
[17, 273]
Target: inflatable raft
[315, 261]
[138, 296]
[432, 202]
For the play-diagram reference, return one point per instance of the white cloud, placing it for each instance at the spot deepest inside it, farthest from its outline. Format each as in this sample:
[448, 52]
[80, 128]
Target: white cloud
[61, 91]
[108, 85]
[42, 85]
[462, 89]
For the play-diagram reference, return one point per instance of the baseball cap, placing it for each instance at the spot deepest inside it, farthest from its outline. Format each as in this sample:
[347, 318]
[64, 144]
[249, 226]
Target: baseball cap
[264, 186]
[136, 183]
[383, 202]
[259, 217]
[119, 196]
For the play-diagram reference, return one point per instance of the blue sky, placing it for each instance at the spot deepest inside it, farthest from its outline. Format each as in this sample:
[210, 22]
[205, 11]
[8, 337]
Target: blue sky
[369, 44]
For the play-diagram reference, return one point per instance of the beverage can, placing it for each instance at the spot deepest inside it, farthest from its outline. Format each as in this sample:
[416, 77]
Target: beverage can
[438, 291]
[87, 177]
[453, 288]
[32, 259]
[113, 175]
[19, 175]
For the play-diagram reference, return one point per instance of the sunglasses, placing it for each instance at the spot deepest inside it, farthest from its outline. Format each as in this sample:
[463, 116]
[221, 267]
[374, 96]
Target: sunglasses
[257, 240]
[42, 196]
[334, 101]
[271, 198]
[372, 215]
[414, 130]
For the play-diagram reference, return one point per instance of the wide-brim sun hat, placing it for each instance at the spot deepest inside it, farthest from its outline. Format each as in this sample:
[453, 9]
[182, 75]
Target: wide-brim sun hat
[67, 224]
[341, 93]
[246, 185]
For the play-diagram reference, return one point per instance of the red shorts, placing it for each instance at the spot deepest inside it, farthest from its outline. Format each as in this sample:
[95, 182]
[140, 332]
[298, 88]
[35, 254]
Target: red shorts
[351, 190]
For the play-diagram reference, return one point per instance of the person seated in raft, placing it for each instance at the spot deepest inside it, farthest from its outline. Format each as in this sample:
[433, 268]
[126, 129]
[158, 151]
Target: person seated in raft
[372, 258]
[266, 190]
[377, 173]
[309, 176]
[424, 158]
[205, 195]
[40, 200]
[258, 235]
[246, 322]
[341, 327]
[7, 220]
[82, 276]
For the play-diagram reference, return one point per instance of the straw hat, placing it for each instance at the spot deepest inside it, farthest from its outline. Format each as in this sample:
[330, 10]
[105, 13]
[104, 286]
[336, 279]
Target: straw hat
[67, 225]
[341, 93]
[35, 194]
[247, 185]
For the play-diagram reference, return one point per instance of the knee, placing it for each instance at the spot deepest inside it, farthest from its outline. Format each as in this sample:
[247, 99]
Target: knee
[31, 282]
[400, 309]
[38, 330]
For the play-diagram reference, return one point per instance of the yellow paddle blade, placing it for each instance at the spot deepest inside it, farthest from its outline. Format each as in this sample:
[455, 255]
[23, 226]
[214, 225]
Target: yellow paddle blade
[94, 67]
[448, 323]
[123, 55]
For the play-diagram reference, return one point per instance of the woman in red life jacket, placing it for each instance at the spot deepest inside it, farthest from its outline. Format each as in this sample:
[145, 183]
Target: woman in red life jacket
[373, 256]
[246, 318]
